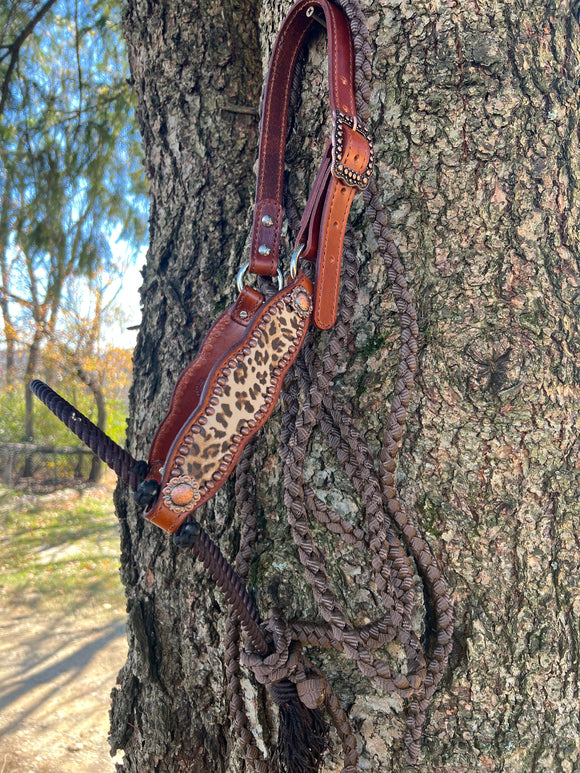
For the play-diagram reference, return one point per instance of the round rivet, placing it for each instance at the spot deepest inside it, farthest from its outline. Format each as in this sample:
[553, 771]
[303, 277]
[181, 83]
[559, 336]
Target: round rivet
[267, 221]
[264, 250]
[243, 314]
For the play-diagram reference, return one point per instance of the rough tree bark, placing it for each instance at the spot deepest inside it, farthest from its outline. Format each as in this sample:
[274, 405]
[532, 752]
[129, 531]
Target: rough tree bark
[475, 119]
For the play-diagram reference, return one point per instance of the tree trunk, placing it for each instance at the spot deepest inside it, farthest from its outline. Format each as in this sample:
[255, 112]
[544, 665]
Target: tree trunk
[475, 121]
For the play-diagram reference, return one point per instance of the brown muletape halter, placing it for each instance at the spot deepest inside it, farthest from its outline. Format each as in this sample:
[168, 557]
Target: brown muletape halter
[273, 650]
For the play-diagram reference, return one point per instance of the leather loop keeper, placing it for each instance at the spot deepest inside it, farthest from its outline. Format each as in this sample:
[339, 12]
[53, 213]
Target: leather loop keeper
[247, 305]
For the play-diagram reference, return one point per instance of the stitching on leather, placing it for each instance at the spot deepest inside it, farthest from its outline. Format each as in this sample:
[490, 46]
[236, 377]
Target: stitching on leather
[321, 288]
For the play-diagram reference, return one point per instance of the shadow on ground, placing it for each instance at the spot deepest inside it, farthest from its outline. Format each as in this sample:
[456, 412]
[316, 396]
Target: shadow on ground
[56, 675]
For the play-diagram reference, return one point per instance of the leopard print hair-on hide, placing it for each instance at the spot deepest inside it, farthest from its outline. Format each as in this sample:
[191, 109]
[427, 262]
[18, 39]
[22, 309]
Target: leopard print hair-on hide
[242, 395]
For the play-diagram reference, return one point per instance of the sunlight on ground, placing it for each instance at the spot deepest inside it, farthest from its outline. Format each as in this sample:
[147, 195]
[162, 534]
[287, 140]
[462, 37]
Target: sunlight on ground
[58, 665]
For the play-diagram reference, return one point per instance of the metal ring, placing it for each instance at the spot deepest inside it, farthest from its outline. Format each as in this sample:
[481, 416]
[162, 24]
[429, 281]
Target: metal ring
[294, 260]
[244, 270]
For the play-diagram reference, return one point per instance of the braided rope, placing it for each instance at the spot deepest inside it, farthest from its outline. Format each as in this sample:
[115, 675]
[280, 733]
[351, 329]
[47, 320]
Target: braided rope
[389, 531]
[127, 468]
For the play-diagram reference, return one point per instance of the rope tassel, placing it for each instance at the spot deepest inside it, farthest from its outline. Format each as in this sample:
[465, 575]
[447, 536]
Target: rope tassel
[302, 732]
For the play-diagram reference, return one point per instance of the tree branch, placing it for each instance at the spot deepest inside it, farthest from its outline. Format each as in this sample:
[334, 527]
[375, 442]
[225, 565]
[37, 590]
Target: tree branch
[14, 50]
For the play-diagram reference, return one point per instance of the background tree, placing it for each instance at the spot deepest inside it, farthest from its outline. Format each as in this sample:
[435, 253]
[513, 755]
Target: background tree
[81, 350]
[70, 168]
[475, 118]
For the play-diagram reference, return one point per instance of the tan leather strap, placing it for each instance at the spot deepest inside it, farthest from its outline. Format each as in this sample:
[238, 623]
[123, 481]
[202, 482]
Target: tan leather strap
[321, 234]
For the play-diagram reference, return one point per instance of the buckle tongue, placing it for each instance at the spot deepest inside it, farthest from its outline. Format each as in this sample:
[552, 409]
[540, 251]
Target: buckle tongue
[354, 177]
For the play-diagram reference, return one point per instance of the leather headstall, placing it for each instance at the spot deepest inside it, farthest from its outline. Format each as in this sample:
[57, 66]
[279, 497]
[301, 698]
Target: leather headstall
[230, 389]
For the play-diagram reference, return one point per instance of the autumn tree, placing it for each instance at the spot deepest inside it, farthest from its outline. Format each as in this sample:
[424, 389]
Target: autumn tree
[474, 112]
[81, 350]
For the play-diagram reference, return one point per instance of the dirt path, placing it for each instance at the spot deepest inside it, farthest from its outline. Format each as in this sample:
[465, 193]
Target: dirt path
[56, 675]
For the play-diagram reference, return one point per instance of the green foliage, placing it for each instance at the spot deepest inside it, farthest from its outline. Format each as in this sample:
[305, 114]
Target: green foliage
[11, 415]
[70, 160]
[70, 176]
[48, 429]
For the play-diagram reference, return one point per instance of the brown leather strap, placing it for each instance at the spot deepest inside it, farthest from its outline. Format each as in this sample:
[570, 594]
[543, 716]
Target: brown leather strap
[268, 212]
[345, 166]
[310, 224]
